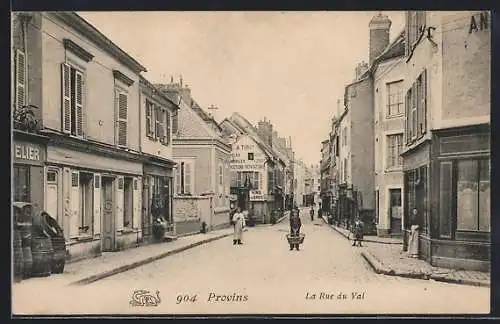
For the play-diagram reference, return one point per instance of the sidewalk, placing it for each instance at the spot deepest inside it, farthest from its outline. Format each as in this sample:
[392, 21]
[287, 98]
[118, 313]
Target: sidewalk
[366, 238]
[389, 259]
[111, 263]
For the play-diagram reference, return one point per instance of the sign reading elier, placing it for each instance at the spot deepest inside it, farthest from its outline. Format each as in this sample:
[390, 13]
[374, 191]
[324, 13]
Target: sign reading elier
[27, 152]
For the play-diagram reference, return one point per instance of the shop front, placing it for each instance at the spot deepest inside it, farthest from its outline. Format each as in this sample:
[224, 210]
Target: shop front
[94, 191]
[29, 155]
[447, 195]
[461, 225]
[157, 196]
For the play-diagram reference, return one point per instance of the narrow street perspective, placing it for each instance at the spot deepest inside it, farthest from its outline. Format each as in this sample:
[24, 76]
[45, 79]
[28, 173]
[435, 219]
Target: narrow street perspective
[220, 277]
[251, 162]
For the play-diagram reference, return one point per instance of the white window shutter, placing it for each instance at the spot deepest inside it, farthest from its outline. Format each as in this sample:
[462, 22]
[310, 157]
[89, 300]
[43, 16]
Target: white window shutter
[122, 119]
[74, 221]
[20, 79]
[188, 178]
[119, 203]
[137, 203]
[157, 116]
[178, 179]
[167, 127]
[66, 97]
[161, 124]
[149, 119]
[79, 96]
[97, 203]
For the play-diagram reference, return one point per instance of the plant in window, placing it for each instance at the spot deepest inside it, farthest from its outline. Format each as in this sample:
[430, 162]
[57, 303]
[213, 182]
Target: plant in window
[24, 119]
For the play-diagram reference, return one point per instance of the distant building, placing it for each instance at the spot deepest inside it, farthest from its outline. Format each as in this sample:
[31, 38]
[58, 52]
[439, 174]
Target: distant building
[203, 155]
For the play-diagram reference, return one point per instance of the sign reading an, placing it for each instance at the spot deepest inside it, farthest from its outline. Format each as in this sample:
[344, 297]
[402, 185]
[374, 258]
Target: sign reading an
[27, 152]
[483, 22]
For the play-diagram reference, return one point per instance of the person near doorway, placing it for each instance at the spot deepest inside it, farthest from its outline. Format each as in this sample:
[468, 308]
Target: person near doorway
[357, 231]
[311, 212]
[239, 225]
[295, 224]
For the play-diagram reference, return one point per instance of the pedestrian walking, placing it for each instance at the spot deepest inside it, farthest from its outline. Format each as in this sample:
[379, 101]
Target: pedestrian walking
[295, 224]
[357, 231]
[311, 212]
[238, 225]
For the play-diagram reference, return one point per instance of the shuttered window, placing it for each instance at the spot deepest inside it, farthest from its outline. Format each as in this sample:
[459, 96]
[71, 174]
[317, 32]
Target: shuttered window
[122, 118]
[159, 121]
[416, 109]
[150, 119]
[166, 134]
[20, 74]
[73, 100]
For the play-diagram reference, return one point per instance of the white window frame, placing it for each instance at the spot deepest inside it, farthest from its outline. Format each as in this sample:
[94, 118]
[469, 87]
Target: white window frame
[399, 163]
[80, 71]
[192, 163]
[121, 91]
[400, 101]
[20, 85]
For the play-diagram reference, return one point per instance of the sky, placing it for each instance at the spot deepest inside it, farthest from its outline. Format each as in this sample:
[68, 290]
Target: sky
[287, 67]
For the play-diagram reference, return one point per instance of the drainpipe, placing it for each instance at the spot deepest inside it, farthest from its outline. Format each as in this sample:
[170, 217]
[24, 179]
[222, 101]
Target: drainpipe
[24, 28]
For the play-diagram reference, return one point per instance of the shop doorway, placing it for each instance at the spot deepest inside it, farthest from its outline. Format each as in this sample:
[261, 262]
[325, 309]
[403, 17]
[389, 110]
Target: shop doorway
[108, 219]
[395, 210]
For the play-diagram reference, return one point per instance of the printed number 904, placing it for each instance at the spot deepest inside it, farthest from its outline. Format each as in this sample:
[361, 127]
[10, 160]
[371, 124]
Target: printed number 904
[186, 298]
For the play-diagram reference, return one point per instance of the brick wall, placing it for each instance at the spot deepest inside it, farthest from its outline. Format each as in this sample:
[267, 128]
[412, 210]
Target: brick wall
[466, 67]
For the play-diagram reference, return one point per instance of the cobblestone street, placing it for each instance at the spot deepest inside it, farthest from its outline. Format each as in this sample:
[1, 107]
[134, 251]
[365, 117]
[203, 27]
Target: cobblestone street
[274, 279]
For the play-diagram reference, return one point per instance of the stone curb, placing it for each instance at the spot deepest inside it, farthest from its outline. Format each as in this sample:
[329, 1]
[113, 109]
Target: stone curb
[380, 268]
[139, 263]
[364, 239]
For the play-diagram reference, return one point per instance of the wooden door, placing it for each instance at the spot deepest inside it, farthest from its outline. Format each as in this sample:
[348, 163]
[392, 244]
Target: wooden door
[395, 210]
[108, 219]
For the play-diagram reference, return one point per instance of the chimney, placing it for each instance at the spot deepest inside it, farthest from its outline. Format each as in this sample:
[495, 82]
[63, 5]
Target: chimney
[360, 69]
[379, 35]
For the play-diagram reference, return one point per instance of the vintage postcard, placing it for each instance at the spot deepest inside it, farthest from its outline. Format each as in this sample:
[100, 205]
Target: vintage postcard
[260, 162]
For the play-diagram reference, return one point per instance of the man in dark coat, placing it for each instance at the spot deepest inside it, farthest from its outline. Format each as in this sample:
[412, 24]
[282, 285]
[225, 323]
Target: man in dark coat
[295, 224]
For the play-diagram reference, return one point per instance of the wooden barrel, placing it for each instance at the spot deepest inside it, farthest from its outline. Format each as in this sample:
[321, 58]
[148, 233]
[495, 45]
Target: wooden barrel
[42, 252]
[59, 256]
[18, 256]
[25, 229]
[27, 261]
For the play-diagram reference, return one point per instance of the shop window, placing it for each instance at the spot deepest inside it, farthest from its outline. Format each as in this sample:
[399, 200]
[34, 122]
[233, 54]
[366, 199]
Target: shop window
[160, 198]
[73, 90]
[52, 194]
[21, 183]
[473, 195]
[128, 202]
[85, 183]
[395, 100]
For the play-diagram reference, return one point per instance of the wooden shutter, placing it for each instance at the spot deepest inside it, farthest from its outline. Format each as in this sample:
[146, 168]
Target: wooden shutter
[75, 204]
[137, 203]
[122, 118]
[20, 79]
[119, 203]
[422, 105]
[187, 178]
[79, 92]
[178, 179]
[97, 203]
[167, 128]
[66, 97]
[149, 119]
[175, 122]
[161, 124]
[157, 122]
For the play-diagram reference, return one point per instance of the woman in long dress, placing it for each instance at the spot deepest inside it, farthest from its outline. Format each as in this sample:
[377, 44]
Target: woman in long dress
[295, 224]
[239, 224]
